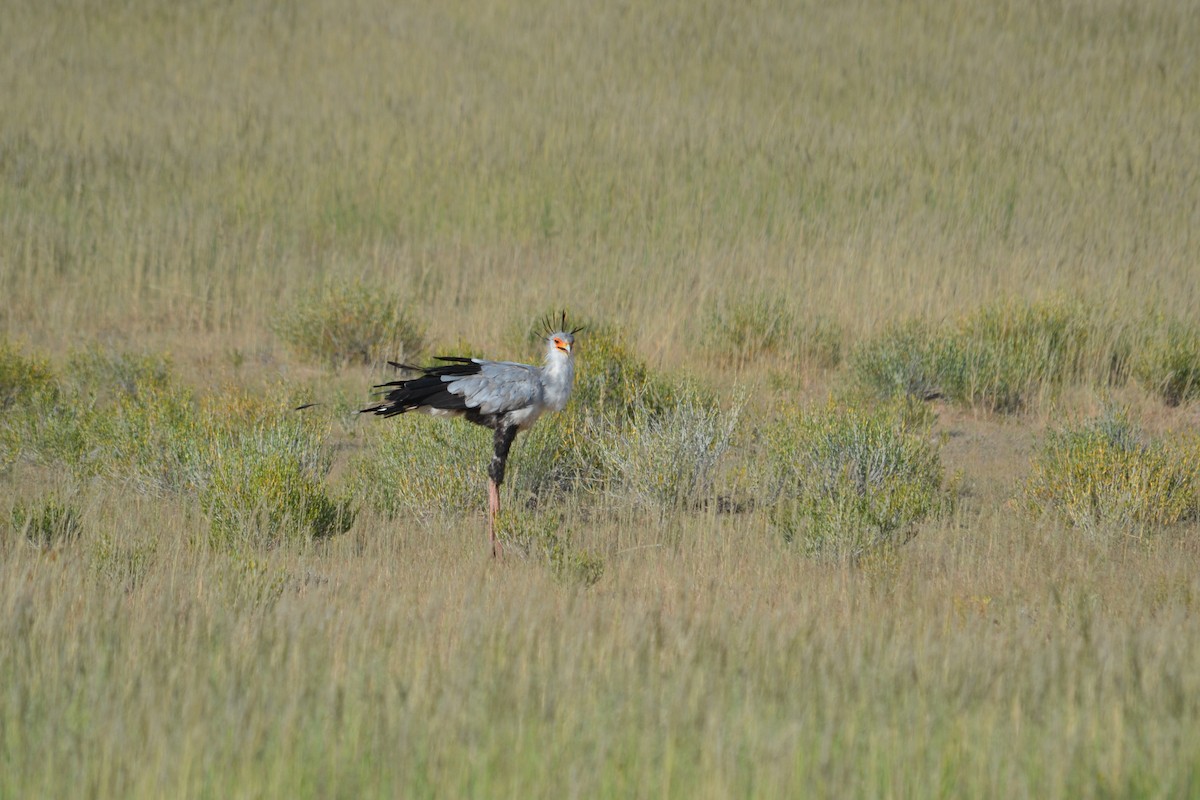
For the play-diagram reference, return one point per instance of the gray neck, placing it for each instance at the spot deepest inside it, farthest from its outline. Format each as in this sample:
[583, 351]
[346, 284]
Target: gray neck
[557, 377]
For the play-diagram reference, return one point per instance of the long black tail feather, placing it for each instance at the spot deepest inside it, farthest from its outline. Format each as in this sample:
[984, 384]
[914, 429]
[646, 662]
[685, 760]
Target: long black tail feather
[428, 390]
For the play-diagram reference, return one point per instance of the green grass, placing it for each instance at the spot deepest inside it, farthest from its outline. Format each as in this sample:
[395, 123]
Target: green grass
[665, 461]
[47, 523]
[214, 211]
[23, 379]
[1170, 364]
[421, 467]
[764, 329]
[361, 668]
[266, 483]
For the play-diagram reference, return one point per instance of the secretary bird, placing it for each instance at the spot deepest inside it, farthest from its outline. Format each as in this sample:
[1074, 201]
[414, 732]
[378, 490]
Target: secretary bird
[502, 395]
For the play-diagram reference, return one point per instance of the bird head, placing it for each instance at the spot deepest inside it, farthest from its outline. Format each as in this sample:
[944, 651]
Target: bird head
[563, 342]
[560, 342]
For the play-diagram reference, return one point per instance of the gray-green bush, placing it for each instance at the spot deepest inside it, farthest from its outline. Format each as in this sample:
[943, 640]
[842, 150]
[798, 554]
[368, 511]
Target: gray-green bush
[120, 562]
[265, 485]
[421, 467]
[1000, 357]
[738, 330]
[547, 536]
[669, 460]
[100, 374]
[119, 415]
[903, 361]
[611, 379]
[844, 482]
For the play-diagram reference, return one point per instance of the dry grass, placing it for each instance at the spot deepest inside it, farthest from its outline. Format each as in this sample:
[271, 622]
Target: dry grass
[736, 195]
[392, 662]
[867, 162]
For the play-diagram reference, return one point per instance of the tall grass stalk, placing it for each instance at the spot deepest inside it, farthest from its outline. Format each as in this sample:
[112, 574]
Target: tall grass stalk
[173, 177]
[871, 163]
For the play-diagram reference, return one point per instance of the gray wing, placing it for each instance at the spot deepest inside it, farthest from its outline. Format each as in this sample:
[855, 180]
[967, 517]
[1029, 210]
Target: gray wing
[498, 387]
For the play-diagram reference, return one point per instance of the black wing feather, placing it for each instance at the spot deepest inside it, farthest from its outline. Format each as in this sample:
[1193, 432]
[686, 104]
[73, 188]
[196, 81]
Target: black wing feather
[426, 391]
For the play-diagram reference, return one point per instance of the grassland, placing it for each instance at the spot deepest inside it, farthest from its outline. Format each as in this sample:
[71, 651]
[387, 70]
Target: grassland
[881, 479]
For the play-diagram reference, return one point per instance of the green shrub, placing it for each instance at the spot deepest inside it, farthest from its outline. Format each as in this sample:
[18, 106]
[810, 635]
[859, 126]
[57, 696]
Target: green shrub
[10, 447]
[615, 393]
[62, 437]
[843, 483]
[46, 523]
[424, 467]
[998, 358]
[264, 485]
[1170, 364]
[558, 458]
[113, 413]
[610, 379]
[22, 378]
[248, 579]
[628, 430]
[256, 471]
[147, 436]
[150, 440]
[1107, 476]
[903, 361]
[819, 342]
[668, 460]
[351, 324]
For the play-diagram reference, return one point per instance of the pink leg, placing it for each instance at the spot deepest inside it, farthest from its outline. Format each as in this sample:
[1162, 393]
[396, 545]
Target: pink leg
[493, 511]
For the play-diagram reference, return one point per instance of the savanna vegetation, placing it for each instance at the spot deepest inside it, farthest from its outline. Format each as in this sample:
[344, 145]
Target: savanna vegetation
[881, 476]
